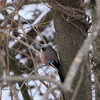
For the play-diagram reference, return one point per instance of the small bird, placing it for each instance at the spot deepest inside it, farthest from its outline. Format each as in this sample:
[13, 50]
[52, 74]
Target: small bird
[48, 56]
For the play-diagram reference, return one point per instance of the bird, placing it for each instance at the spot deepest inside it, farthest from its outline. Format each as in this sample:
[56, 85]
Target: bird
[49, 57]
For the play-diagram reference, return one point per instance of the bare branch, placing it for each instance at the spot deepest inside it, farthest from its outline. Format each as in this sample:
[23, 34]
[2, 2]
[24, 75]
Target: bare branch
[31, 77]
[20, 41]
[80, 56]
[27, 3]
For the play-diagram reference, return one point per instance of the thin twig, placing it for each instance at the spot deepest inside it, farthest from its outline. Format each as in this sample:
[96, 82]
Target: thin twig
[19, 41]
[51, 89]
[29, 75]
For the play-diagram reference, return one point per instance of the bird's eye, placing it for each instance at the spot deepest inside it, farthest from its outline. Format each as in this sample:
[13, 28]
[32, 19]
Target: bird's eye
[43, 49]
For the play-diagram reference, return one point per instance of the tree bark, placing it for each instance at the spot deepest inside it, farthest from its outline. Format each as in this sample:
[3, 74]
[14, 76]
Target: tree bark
[95, 7]
[69, 39]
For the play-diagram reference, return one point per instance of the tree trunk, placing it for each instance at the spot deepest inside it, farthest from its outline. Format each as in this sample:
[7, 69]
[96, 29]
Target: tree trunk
[69, 40]
[96, 44]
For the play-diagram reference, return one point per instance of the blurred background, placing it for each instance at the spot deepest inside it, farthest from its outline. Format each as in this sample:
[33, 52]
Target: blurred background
[26, 24]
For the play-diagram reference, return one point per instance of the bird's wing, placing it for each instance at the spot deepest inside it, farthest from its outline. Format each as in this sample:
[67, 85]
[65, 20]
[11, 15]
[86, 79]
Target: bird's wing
[51, 56]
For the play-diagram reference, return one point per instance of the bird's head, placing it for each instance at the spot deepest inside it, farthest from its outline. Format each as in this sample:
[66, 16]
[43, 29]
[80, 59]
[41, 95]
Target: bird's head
[46, 47]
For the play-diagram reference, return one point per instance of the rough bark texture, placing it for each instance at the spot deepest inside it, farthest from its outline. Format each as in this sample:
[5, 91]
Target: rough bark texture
[69, 39]
[96, 44]
[97, 90]
[96, 60]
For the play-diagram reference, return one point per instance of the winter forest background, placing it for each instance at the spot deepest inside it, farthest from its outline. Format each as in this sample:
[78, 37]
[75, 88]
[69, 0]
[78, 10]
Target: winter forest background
[71, 27]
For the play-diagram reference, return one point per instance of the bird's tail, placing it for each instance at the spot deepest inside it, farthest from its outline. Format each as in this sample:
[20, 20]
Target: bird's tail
[59, 70]
[57, 66]
[61, 76]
